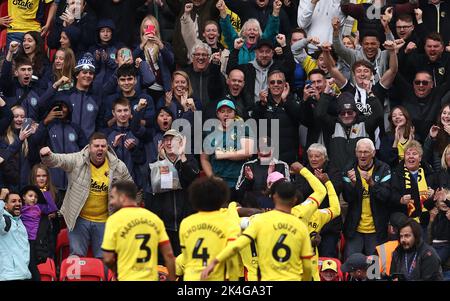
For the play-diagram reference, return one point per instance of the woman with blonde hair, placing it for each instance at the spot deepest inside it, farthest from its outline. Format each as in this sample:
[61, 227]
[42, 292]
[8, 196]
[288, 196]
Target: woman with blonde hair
[438, 138]
[19, 148]
[157, 54]
[179, 99]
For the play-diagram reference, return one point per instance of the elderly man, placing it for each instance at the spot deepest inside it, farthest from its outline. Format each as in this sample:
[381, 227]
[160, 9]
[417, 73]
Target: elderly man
[198, 71]
[85, 207]
[367, 191]
[319, 164]
[14, 245]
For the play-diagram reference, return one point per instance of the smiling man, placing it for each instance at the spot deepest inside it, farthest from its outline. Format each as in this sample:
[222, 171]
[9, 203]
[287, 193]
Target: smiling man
[85, 207]
[14, 245]
[366, 190]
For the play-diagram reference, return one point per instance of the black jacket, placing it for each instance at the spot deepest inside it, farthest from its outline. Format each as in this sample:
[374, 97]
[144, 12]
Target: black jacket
[218, 90]
[379, 200]
[428, 264]
[435, 20]
[287, 114]
[335, 225]
[399, 190]
[341, 140]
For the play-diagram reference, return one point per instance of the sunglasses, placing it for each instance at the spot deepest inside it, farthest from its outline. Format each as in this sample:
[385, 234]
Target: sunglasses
[421, 82]
[346, 113]
[278, 82]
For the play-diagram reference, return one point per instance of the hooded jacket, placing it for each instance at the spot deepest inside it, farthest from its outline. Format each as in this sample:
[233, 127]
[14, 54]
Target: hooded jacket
[341, 140]
[14, 248]
[78, 169]
[63, 137]
[26, 96]
[104, 69]
[132, 158]
[437, 18]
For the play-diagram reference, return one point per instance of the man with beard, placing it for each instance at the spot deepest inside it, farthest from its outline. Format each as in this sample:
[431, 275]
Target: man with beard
[414, 260]
[91, 172]
[14, 245]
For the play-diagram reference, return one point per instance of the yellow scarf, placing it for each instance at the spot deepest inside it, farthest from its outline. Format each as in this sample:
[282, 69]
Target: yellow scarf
[415, 207]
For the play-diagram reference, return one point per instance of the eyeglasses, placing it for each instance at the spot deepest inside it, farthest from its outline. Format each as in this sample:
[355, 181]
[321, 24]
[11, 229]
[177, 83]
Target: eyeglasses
[278, 82]
[403, 27]
[346, 113]
[421, 82]
[200, 55]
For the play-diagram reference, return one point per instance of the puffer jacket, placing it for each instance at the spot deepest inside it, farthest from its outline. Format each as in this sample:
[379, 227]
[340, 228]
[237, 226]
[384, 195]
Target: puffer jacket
[78, 169]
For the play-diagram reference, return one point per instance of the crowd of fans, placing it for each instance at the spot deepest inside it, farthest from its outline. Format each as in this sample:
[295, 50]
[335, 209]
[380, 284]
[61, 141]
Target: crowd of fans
[93, 92]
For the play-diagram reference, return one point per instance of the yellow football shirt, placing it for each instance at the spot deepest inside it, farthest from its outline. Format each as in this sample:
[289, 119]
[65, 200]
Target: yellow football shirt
[23, 13]
[282, 241]
[366, 224]
[134, 234]
[202, 236]
[250, 257]
[96, 207]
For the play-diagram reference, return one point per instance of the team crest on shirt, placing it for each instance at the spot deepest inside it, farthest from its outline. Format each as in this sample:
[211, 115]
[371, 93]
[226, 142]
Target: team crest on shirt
[376, 178]
[441, 70]
[135, 107]
[112, 56]
[90, 107]
[33, 101]
[72, 137]
[443, 14]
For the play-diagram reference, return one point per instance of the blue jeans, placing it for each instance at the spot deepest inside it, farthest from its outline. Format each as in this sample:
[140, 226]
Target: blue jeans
[361, 243]
[85, 233]
[13, 36]
[443, 250]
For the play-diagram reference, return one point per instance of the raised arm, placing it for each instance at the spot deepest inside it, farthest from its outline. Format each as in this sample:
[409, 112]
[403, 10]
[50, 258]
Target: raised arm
[339, 78]
[348, 55]
[305, 12]
[389, 76]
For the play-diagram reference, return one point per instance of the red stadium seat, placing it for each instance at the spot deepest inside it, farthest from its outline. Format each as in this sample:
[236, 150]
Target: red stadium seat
[338, 263]
[48, 270]
[76, 268]
[3, 12]
[62, 246]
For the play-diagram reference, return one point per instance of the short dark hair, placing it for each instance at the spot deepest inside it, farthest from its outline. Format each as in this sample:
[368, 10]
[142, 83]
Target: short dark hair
[285, 190]
[317, 71]
[299, 30]
[362, 63]
[97, 135]
[127, 70]
[424, 71]
[22, 60]
[121, 101]
[405, 18]
[415, 228]
[434, 36]
[208, 193]
[11, 193]
[127, 188]
[370, 33]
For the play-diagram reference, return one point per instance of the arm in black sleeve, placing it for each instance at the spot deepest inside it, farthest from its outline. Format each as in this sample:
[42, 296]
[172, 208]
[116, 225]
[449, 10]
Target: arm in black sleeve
[233, 60]
[216, 83]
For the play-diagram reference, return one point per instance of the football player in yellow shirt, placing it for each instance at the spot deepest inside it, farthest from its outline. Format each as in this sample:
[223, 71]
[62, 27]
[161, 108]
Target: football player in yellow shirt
[204, 234]
[282, 241]
[133, 236]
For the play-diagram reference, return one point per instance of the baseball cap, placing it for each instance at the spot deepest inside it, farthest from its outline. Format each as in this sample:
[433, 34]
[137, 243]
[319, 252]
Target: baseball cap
[172, 132]
[226, 103]
[274, 176]
[354, 262]
[264, 42]
[346, 101]
[329, 264]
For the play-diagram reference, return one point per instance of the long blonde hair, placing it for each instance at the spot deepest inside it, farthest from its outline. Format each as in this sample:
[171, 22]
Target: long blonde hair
[186, 76]
[150, 46]
[11, 136]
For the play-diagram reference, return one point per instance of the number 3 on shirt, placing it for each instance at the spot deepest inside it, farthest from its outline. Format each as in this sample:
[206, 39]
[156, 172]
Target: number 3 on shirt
[204, 255]
[144, 247]
[279, 245]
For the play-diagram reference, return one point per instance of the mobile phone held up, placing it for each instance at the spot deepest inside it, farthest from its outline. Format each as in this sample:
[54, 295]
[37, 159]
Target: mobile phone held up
[27, 123]
[150, 29]
[308, 84]
[126, 54]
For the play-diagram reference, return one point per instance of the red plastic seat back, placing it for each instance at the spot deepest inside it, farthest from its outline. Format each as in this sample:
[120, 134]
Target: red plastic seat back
[76, 268]
[48, 270]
